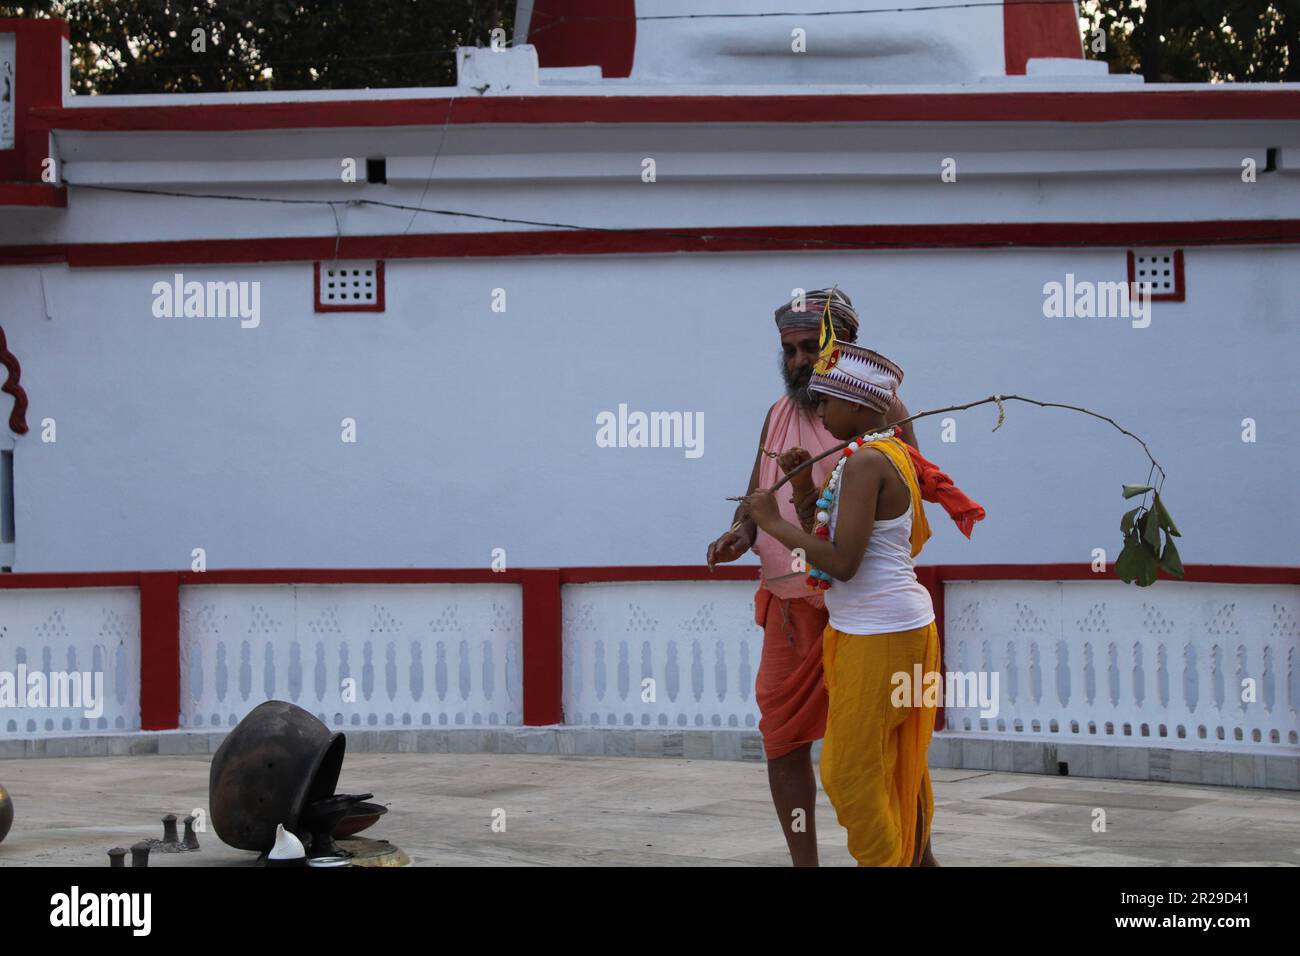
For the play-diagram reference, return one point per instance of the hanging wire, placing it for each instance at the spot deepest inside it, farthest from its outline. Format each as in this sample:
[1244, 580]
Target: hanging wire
[1220, 238]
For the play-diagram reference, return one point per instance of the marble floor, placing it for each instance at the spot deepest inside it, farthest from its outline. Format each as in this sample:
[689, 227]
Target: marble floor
[628, 811]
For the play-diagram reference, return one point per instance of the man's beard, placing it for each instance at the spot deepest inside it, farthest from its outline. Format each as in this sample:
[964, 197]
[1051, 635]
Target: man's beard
[796, 385]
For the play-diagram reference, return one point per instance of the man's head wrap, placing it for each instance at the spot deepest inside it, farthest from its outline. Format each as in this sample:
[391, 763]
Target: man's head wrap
[850, 371]
[810, 316]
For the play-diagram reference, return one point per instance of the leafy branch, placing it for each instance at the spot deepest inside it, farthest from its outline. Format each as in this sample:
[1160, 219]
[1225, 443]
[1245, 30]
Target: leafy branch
[1142, 553]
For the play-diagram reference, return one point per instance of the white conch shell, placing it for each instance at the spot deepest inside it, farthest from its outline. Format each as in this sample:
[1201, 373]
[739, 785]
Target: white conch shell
[287, 846]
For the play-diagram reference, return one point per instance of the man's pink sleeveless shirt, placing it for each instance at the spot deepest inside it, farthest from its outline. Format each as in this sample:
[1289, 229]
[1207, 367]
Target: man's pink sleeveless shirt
[790, 427]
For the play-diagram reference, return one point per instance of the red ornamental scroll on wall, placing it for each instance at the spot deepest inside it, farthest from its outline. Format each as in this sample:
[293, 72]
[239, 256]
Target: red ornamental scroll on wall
[17, 417]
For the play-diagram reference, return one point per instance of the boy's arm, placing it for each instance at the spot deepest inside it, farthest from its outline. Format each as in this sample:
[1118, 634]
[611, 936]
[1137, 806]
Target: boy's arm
[899, 410]
[860, 485]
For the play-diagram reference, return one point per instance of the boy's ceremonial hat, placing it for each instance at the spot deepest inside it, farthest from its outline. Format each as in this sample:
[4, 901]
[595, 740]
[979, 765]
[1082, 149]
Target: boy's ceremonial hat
[852, 372]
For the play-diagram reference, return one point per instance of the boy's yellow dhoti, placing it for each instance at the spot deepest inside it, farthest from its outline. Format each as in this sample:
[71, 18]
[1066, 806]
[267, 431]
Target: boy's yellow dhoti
[873, 760]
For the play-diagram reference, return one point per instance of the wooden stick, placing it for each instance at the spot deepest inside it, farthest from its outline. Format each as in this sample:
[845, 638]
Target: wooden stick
[995, 399]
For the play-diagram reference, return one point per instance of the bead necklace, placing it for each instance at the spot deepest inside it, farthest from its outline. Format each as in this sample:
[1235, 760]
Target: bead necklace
[820, 580]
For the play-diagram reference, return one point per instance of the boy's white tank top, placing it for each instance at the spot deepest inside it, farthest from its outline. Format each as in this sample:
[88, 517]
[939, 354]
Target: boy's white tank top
[884, 596]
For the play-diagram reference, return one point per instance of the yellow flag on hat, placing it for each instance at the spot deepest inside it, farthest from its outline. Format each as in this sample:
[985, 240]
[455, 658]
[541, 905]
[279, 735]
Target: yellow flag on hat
[829, 352]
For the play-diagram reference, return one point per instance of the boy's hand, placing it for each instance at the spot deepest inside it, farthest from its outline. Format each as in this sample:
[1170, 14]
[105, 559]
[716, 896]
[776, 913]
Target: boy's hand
[761, 506]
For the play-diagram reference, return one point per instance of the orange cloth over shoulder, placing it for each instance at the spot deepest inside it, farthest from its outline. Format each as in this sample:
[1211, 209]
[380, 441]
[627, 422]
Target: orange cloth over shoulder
[938, 487]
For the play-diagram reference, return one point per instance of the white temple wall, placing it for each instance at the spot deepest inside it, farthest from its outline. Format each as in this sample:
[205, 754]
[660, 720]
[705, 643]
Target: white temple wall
[477, 430]
[930, 46]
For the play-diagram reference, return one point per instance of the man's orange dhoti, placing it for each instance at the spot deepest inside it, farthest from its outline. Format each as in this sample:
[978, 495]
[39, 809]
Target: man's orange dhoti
[873, 761]
[790, 693]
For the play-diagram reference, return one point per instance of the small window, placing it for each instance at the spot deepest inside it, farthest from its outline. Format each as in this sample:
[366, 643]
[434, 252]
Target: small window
[6, 497]
[7, 535]
[349, 286]
[1162, 269]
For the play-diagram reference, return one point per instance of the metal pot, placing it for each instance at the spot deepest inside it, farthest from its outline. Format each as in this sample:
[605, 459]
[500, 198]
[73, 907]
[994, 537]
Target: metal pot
[6, 813]
[277, 761]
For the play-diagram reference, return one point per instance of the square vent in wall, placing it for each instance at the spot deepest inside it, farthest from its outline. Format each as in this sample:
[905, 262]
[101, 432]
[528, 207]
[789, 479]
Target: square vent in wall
[350, 286]
[1162, 269]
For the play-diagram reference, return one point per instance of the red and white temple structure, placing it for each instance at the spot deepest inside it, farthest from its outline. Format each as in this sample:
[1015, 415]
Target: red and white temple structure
[304, 386]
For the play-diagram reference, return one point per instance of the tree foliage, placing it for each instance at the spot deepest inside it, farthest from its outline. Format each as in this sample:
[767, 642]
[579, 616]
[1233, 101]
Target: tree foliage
[1196, 41]
[149, 46]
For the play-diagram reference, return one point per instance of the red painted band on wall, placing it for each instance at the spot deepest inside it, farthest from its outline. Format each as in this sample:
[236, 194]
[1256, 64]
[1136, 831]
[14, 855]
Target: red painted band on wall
[349, 576]
[569, 242]
[34, 194]
[1008, 107]
[1074, 571]
[70, 579]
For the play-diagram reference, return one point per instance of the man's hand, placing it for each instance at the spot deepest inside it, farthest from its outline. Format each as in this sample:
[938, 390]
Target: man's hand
[791, 459]
[806, 506]
[731, 545]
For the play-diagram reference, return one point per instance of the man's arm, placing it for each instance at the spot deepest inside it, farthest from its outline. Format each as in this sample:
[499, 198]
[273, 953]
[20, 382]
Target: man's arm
[749, 527]
[732, 544]
[806, 508]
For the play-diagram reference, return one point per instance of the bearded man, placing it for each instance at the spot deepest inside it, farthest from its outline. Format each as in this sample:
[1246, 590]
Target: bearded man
[790, 690]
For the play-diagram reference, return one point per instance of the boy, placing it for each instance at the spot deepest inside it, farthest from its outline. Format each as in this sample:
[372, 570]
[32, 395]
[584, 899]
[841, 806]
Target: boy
[868, 529]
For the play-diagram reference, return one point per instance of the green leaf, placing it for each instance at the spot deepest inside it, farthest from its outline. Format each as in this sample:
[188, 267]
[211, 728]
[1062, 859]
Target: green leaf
[1136, 564]
[1126, 523]
[1126, 565]
[1146, 567]
[1170, 560]
[1165, 520]
[1151, 533]
[1132, 491]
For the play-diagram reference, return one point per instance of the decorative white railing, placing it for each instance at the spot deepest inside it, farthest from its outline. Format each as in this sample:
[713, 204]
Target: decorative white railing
[365, 656]
[664, 655]
[48, 633]
[1182, 664]
[1174, 665]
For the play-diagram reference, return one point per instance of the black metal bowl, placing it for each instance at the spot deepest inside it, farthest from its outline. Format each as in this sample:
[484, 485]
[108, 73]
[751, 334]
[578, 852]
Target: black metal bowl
[361, 817]
[276, 761]
[6, 813]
